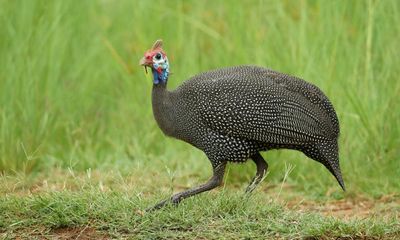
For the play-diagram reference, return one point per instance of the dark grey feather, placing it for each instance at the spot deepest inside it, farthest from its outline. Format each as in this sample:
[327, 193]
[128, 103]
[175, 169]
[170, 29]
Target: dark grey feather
[233, 113]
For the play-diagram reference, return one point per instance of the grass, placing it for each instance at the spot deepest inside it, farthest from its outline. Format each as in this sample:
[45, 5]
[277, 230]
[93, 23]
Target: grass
[228, 216]
[73, 99]
[105, 206]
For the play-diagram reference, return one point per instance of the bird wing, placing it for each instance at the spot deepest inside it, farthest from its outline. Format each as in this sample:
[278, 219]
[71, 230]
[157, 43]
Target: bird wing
[261, 105]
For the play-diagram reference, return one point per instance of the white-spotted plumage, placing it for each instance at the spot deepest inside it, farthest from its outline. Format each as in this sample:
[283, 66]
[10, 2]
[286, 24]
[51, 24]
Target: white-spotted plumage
[233, 113]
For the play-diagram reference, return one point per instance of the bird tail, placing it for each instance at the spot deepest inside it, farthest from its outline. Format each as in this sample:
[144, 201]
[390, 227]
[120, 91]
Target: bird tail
[327, 153]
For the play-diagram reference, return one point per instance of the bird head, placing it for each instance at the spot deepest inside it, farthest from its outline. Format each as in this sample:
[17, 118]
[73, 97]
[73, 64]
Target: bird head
[157, 60]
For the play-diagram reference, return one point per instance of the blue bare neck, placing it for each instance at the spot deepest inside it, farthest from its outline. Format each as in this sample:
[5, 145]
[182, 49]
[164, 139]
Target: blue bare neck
[160, 73]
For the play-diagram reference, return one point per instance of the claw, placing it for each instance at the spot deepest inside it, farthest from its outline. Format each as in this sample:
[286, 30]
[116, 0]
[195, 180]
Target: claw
[158, 205]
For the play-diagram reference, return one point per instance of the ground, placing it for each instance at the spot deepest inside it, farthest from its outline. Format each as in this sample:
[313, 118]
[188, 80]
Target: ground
[89, 206]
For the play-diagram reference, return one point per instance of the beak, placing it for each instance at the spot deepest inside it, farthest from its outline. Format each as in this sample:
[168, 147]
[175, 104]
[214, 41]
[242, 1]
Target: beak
[145, 63]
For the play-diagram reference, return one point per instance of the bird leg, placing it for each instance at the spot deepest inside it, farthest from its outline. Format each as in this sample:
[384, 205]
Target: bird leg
[212, 183]
[262, 167]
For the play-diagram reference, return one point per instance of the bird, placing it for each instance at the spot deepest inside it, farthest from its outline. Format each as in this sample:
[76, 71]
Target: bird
[234, 113]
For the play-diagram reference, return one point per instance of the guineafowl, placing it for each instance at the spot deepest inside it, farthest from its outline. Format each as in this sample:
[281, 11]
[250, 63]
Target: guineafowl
[233, 113]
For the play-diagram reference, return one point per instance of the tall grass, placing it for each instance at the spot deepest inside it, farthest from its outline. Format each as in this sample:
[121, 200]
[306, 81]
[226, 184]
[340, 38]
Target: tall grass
[72, 93]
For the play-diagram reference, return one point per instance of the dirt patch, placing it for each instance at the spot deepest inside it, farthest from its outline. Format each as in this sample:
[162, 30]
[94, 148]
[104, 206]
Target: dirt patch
[65, 233]
[387, 206]
[83, 233]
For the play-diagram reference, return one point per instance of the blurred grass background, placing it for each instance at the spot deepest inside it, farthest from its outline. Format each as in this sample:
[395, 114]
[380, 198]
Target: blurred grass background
[73, 96]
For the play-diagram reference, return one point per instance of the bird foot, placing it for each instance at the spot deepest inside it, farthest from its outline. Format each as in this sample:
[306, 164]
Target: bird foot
[158, 206]
[251, 187]
[255, 182]
[175, 200]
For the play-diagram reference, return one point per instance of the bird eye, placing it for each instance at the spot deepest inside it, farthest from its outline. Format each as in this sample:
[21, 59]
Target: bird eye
[158, 56]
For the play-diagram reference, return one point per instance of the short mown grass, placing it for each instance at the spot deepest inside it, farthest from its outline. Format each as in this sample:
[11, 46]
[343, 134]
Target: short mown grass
[73, 100]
